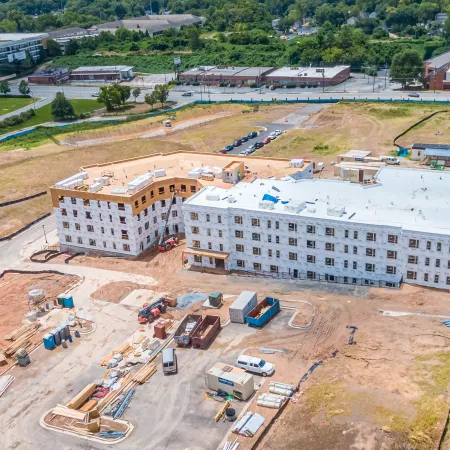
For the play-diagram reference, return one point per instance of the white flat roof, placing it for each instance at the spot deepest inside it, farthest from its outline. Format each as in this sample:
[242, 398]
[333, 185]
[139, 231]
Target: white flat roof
[101, 68]
[7, 37]
[409, 198]
[289, 72]
[357, 153]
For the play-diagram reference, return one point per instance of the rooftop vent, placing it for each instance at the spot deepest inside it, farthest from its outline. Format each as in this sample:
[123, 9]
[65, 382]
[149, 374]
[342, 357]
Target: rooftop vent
[266, 204]
[295, 207]
[336, 211]
[212, 197]
[231, 199]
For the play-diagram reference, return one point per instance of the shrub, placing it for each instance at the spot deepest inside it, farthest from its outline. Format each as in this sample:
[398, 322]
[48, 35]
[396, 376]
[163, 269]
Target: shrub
[222, 84]
[291, 85]
[232, 84]
[314, 85]
[196, 83]
[253, 85]
[302, 86]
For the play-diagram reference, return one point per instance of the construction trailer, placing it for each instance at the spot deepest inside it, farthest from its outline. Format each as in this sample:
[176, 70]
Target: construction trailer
[242, 305]
[232, 380]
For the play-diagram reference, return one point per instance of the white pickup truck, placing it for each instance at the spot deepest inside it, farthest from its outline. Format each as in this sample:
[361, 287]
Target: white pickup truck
[392, 160]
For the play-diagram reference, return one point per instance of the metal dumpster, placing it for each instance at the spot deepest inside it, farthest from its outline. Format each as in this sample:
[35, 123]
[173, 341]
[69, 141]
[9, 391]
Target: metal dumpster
[186, 329]
[206, 332]
[263, 312]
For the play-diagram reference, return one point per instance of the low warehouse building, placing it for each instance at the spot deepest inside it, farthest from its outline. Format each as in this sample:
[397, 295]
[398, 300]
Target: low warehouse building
[323, 76]
[437, 156]
[103, 73]
[216, 75]
[50, 76]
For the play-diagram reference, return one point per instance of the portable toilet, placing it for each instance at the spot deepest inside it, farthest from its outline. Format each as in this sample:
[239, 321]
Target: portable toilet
[68, 302]
[49, 341]
[61, 298]
[56, 335]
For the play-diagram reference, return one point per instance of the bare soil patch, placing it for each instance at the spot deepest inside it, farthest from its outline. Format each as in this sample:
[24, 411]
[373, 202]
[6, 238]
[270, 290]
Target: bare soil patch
[116, 291]
[14, 290]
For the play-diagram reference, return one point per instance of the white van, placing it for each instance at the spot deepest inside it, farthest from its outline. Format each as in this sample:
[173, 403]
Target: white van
[255, 365]
[169, 361]
[392, 160]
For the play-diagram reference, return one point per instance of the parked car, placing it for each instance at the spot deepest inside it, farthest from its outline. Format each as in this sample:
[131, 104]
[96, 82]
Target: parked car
[278, 132]
[186, 94]
[272, 88]
[251, 148]
[255, 365]
[228, 148]
[273, 135]
[223, 152]
[237, 143]
[95, 94]
[413, 94]
[252, 134]
[267, 140]
[243, 153]
[259, 145]
[244, 138]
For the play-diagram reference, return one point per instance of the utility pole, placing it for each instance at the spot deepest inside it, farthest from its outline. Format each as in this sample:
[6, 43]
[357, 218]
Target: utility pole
[323, 81]
[385, 75]
[45, 235]
[259, 81]
[373, 85]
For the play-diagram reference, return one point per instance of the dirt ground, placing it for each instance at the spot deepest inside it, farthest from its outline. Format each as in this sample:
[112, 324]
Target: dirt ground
[14, 288]
[116, 291]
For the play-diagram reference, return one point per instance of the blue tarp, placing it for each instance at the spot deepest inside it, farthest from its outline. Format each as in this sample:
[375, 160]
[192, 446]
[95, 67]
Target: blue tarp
[271, 198]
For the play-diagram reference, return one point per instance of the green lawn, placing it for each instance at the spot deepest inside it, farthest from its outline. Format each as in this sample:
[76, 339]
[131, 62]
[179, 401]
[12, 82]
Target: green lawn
[11, 104]
[44, 114]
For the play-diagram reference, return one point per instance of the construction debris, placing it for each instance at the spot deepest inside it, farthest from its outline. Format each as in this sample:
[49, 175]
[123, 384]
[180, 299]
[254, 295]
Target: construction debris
[249, 424]
[82, 397]
[271, 400]
[112, 434]
[5, 382]
[24, 337]
[124, 403]
[144, 374]
[351, 339]
[231, 445]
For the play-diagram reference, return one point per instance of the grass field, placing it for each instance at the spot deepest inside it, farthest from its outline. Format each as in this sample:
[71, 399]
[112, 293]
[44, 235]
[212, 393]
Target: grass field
[8, 105]
[44, 114]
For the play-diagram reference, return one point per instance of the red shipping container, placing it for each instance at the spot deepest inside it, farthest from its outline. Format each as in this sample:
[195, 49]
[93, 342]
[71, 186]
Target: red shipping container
[160, 329]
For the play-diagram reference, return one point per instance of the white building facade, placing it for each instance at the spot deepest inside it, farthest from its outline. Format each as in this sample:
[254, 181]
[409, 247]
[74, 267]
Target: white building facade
[315, 240]
[14, 46]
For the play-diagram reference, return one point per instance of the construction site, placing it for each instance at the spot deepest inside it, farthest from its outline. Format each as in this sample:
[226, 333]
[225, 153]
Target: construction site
[104, 351]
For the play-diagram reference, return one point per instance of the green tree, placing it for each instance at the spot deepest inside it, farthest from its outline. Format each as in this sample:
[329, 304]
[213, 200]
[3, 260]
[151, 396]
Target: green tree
[61, 108]
[136, 93]
[110, 97]
[4, 87]
[406, 67]
[195, 42]
[53, 48]
[71, 48]
[124, 92]
[446, 30]
[120, 11]
[150, 99]
[161, 92]
[24, 87]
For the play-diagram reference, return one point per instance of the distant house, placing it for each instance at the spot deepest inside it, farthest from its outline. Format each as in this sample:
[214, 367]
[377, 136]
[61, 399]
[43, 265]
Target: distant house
[351, 21]
[63, 37]
[275, 22]
[373, 15]
[441, 17]
[307, 31]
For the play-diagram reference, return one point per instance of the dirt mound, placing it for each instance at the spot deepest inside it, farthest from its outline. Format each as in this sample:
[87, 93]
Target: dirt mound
[116, 291]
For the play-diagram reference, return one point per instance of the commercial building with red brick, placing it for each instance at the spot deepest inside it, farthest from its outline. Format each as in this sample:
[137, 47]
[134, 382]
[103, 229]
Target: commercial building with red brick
[437, 72]
[50, 76]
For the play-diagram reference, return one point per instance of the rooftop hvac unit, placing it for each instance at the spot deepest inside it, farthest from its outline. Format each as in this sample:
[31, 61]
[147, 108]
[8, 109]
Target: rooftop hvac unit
[336, 211]
[296, 163]
[266, 204]
[295, 207]
[212, 197]
[160, 172]
[194, 175]
[231, 199]
[81, 176]
[95, 187]
[311, 209]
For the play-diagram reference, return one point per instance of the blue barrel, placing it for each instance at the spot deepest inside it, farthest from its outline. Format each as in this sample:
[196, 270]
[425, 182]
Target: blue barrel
[68, 302]
[57, 337]
[49, 341]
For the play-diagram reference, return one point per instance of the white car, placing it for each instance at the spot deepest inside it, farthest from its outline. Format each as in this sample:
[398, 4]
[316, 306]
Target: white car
[278, 132]
[243, 153]
[95, 94]
[273, 135]
[255, 365]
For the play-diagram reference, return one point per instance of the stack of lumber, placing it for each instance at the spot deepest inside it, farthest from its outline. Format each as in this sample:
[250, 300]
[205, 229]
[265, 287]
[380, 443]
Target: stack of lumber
[89, 405]
[124, 349]
[125, 384]
[144, 374]
[19, 332]
[82, 397]
[24, 337]
[62, 410]
[5, 381]
[107, 359]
